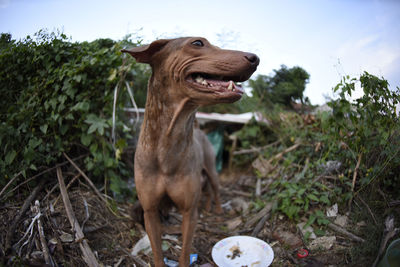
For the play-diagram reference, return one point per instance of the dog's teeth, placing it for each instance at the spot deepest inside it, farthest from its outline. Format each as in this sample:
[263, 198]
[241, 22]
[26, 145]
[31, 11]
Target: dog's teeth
[204, 82]
[199, 79]
[230, 87]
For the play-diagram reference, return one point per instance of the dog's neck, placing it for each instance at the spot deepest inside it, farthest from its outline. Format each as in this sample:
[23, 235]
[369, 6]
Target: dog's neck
[168, 120]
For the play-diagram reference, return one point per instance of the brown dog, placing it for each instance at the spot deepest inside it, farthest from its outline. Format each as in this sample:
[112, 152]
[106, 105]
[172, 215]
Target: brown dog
[170, 161]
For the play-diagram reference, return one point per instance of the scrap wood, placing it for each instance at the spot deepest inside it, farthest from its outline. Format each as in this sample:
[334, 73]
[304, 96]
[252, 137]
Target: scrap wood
[343, 231]
[21, 213]
[88, 255]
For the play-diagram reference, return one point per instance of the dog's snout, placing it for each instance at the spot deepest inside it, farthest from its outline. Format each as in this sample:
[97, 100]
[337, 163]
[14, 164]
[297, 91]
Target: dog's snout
[252, 58]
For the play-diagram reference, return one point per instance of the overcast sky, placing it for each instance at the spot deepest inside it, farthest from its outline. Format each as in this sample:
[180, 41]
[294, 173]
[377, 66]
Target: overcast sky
[328, 38]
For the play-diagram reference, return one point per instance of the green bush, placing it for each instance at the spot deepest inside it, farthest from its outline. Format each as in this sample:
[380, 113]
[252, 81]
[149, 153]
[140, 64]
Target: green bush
[366, 128]
[57, 96]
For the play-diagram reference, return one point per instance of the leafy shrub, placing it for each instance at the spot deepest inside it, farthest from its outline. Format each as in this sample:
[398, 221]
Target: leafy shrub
[366, 128]
[57, 96]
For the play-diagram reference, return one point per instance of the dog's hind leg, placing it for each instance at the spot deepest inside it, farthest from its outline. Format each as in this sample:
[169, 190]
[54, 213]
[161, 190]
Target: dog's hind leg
[212, 179]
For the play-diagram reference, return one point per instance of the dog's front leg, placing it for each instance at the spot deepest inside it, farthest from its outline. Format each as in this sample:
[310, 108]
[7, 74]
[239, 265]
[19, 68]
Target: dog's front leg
[153, 229]
[188, 226]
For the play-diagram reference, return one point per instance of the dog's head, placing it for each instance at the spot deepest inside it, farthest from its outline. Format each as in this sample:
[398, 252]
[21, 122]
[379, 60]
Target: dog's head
[194, 68]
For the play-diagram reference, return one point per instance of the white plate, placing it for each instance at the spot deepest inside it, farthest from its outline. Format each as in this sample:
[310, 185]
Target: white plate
[239, 251]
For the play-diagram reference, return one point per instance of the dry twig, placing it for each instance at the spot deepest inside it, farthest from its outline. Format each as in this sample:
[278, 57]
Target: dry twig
[256, 218]
[88, 255]
[21, 213]
[9, 183]
[369, 210]
[41, 173]
[353, 184]
[86, 178]
[45, 248]
[343, 231]
[255, 149]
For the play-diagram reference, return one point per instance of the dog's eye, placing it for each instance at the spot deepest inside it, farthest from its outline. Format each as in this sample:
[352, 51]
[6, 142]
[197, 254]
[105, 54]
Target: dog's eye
[198, 43]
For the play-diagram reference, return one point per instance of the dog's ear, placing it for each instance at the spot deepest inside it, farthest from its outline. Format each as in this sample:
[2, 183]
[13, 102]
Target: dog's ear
[144, 53]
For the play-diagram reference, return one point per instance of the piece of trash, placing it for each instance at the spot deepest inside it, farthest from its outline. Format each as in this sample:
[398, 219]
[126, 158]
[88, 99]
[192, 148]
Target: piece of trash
[240, 205]
[331, 167]
[324, 242]
[171, 263]
[193, 258]
[234, 223]
[165, 245]
[307, 231]
[341, 220]
[332, 211]
[142, 245]
[302, 253]
[287, 238]
[242, 251]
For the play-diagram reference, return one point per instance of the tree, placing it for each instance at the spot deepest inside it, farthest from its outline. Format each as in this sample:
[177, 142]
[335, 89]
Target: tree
[284, 87]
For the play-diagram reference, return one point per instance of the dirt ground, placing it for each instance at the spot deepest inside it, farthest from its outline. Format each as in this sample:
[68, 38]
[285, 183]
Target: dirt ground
[112, 235]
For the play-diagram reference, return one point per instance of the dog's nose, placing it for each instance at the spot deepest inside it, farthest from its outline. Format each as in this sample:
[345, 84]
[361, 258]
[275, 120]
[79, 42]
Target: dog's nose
[252, 58]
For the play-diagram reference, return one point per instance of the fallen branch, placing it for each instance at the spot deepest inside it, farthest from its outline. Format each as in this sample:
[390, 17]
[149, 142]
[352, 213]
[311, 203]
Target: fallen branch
[86, 178]
[256, 218]
[88, 255]
[255, 149]
[56, 185]
[260, 225]
[343, 231]
[21, 213]
[45, 248]
[279, 156]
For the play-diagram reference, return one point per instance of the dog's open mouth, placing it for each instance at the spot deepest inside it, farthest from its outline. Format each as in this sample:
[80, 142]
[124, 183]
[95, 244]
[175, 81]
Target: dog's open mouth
[219, 84]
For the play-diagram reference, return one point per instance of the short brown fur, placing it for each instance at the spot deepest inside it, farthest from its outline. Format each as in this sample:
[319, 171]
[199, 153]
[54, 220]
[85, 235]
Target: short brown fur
[172, 156]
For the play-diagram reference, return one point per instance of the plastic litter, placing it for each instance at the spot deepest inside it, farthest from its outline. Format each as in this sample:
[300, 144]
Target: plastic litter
[302, 253]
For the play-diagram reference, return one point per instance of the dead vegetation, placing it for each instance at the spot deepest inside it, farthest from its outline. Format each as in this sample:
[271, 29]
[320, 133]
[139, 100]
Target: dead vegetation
[65, 221]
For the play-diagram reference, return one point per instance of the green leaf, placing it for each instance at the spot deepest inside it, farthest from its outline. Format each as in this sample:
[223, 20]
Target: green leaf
[43, 128]
[313, 197]
[96, 123]
[81, 106]
[10, 157]
[86, 139]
